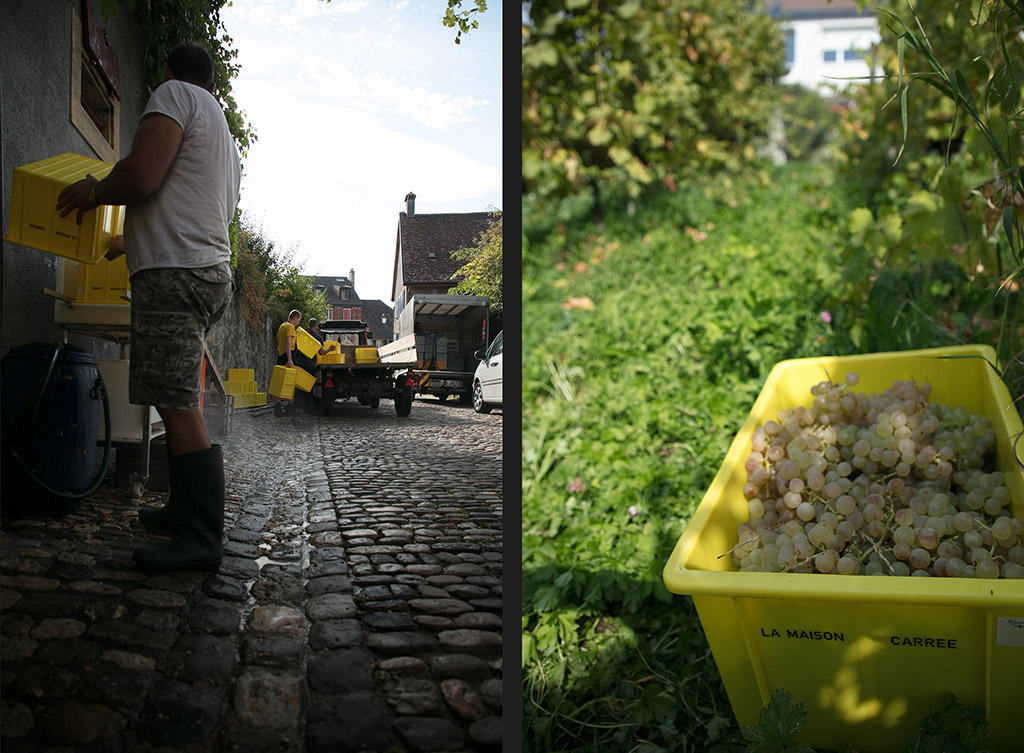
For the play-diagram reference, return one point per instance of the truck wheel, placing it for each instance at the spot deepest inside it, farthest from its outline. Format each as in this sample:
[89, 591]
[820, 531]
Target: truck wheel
[403, 402]
[478, 399]
[373, 402]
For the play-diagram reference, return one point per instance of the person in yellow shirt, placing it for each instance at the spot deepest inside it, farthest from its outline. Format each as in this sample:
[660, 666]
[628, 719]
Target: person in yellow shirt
[285, 347]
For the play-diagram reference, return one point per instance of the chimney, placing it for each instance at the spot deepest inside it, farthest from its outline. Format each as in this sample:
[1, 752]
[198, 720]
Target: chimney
[352, 278]
[410, 204]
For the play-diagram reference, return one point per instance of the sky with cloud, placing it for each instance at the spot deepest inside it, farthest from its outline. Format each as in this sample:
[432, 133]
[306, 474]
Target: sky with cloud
[356, 103]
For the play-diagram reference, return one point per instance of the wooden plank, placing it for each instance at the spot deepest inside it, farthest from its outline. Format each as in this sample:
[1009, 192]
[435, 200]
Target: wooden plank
[213, 371]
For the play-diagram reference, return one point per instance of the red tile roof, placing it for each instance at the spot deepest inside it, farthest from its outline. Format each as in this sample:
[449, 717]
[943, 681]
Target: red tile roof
[427, 241]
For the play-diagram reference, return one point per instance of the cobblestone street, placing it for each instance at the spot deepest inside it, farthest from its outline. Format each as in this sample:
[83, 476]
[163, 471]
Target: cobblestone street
[358, 606]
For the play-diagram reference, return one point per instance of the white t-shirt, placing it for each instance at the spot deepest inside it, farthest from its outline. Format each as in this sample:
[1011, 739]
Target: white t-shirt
[185, 222]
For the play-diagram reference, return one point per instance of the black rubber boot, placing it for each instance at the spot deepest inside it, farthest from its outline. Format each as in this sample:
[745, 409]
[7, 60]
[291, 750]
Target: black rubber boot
[199, 506]
[164, 518]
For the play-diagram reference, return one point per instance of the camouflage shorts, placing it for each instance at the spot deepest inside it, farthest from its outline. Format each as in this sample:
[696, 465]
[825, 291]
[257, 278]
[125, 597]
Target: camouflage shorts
[172, 312]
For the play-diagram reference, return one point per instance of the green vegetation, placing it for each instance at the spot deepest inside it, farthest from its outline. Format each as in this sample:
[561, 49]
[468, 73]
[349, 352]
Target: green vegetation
[651, 340]
[481, 271]
[933, 155]
[167, 23]
[634, 93]
[267, 280]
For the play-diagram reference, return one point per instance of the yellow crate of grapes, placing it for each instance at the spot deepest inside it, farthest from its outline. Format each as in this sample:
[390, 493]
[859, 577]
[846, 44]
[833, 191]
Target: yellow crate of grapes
[35, 222]
[869, 656]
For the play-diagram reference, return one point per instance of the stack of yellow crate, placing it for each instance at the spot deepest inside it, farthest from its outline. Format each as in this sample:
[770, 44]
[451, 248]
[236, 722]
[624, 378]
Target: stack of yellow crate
[242, 384]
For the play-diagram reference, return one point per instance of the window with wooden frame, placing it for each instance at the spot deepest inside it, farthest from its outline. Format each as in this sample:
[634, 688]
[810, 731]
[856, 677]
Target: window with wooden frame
[95, 84]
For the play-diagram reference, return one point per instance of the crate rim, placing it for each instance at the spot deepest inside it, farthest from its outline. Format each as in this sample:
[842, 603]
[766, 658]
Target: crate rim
[682, 580]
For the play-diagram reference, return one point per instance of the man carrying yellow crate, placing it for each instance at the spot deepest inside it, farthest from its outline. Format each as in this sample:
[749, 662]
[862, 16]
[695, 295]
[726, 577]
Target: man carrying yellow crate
[180, 186]
[285, 349]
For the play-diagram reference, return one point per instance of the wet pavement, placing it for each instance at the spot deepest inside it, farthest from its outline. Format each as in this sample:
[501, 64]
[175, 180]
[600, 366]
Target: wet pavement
[358, 606]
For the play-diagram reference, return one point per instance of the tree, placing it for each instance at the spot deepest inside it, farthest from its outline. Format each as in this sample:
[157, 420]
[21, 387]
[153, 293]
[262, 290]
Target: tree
[463, 20]
[643, 90]
[481, 274]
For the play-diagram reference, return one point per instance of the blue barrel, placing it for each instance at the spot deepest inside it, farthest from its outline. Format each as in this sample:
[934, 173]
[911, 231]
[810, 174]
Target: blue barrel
[56, 440]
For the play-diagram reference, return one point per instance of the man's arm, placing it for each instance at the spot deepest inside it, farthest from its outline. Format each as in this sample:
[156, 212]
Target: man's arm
[290, 341]
[135, 177]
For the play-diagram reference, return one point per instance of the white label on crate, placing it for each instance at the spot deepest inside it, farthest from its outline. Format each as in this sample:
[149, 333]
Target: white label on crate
[1010, 632]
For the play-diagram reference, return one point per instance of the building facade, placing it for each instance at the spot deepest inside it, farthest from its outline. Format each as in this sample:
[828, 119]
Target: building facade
[826, 42]
[423, 250]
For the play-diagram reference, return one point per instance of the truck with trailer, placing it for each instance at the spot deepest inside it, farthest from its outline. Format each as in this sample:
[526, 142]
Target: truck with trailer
[359, 373]
[439, 334]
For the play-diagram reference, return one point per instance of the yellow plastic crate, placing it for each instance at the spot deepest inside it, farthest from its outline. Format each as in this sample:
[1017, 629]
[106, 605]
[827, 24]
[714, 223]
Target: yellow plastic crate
[239, 387]
[242, 375]
[845, 645]
[331, 346]
[367, 355]
[331, 358]
[102, 282]
[303, 379]
[242, 401]
[259, 398]
[308, 345]
[35, 222]
[282, 382]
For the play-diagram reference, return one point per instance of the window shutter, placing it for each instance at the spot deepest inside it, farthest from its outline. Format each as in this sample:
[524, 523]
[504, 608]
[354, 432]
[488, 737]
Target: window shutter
[100, 51]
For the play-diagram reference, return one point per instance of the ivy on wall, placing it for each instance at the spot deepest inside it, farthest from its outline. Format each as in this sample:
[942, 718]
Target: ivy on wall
[167, 23]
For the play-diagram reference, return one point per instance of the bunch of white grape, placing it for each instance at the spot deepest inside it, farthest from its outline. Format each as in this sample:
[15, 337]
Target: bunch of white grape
[883, 484]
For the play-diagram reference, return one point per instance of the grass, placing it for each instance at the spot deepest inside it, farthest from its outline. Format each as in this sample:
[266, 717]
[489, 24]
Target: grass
[646, 347]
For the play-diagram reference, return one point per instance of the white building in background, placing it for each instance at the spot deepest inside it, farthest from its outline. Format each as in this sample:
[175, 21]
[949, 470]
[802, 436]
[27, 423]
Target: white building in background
[825, 41]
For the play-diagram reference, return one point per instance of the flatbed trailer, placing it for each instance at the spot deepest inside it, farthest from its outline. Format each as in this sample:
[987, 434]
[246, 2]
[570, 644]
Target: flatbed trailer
[367, 382]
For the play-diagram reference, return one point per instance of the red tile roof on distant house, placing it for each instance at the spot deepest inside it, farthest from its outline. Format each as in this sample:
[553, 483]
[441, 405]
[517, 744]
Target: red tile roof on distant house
[426, 241]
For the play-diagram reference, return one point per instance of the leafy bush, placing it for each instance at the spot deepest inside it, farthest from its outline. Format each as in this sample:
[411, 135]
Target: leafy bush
[810, 123]
[642, 91]
[941, 182]
[267, 280]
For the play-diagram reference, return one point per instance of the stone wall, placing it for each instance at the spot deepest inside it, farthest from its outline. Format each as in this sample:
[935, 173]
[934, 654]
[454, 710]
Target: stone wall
[235, 346]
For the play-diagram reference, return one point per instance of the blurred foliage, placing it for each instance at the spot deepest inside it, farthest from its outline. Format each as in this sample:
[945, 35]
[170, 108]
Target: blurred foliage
[267, 280]
[934, 154]
[641, 91]
[810, 123]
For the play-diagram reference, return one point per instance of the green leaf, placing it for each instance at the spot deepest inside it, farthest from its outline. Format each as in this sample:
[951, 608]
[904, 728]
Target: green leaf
[543, 53]
[628, 9]
[600, 134]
